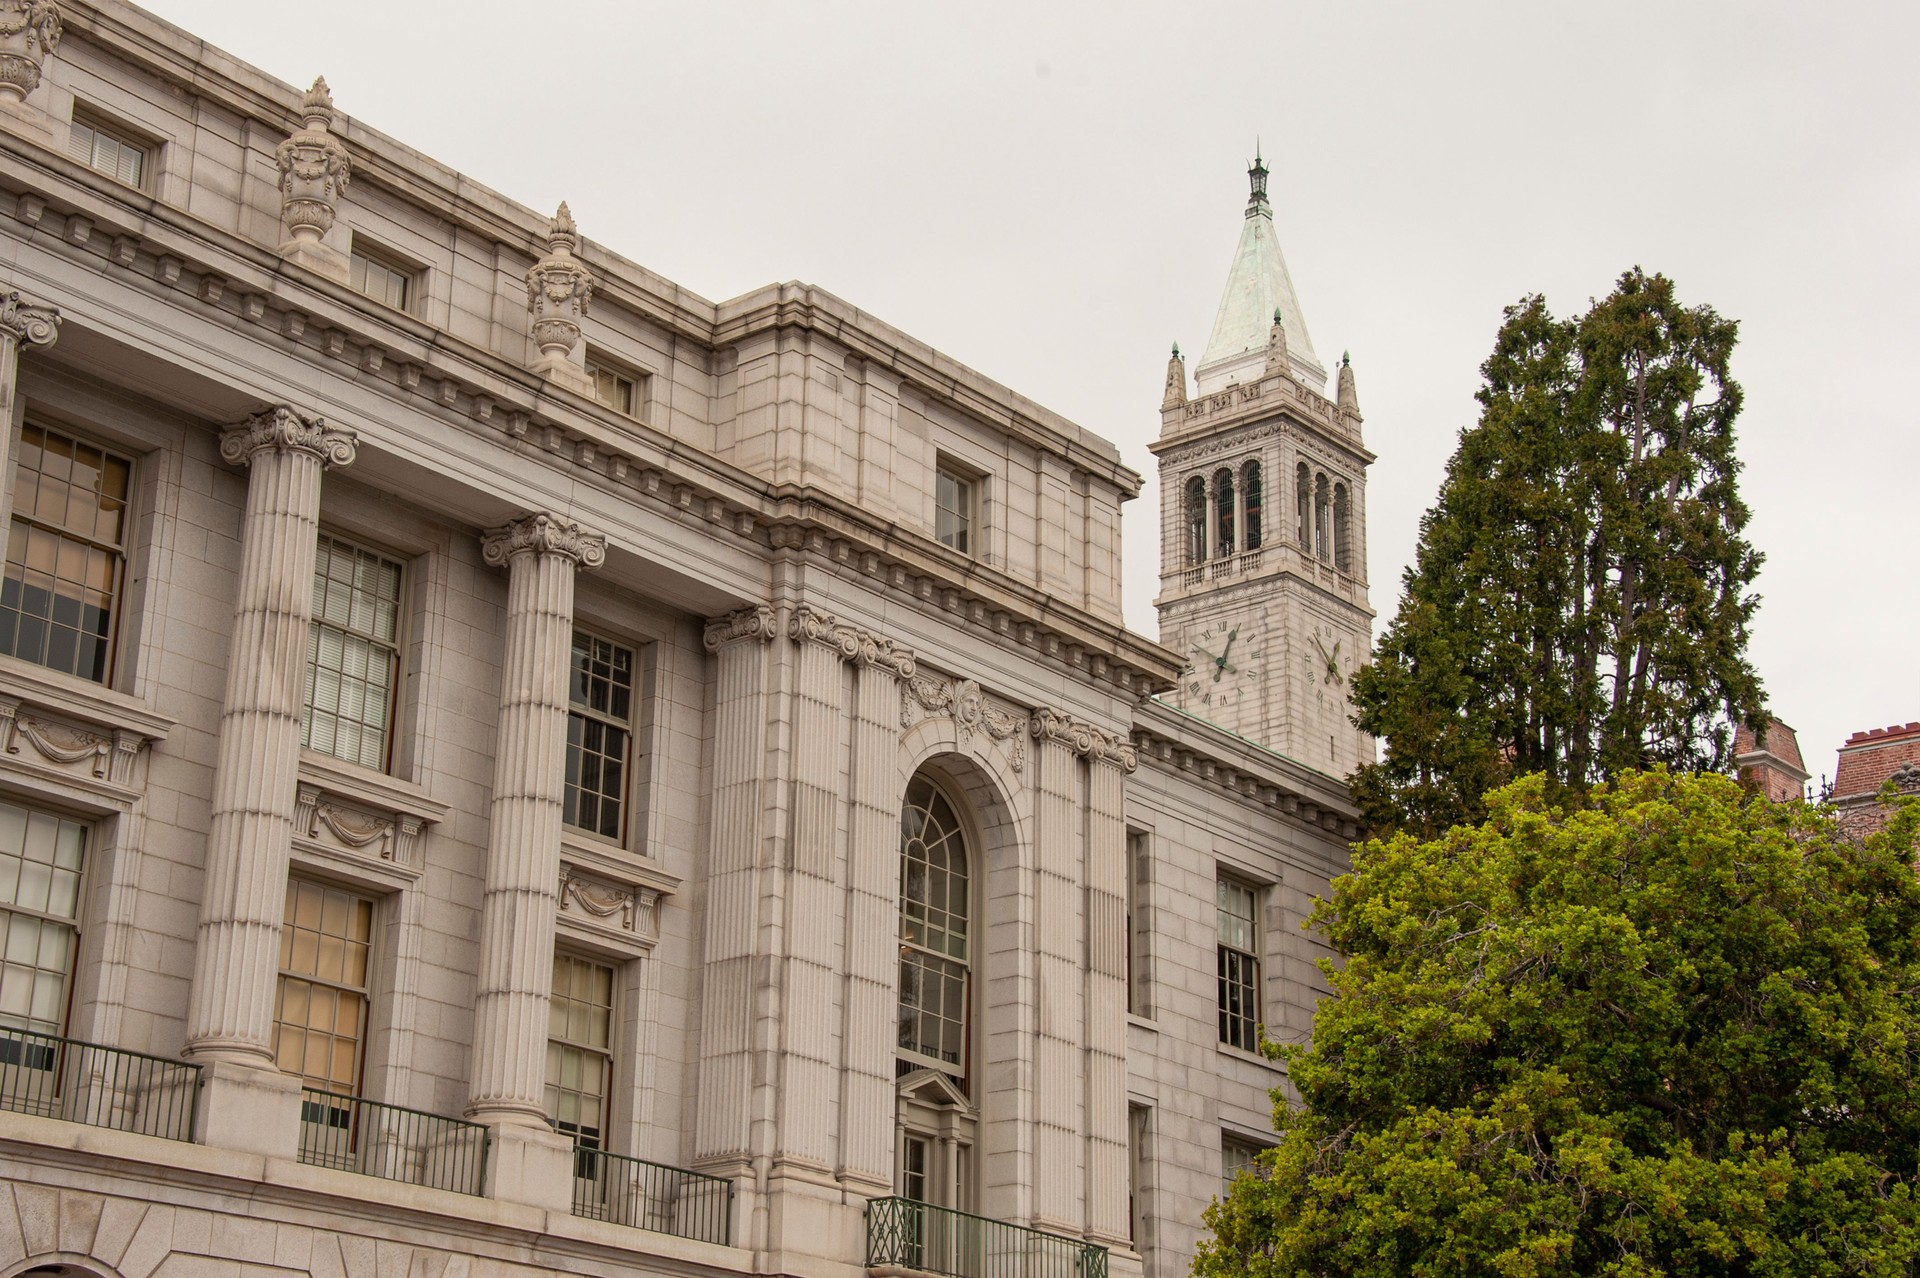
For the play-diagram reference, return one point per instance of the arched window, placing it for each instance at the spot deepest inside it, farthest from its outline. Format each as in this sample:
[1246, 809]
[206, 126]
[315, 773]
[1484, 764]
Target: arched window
[1342, 529]
[936, 962]
[1322, 519]
[1196, 520]
[1223, 513]
[1302, 499]
[935, 1121]
[1250, 499]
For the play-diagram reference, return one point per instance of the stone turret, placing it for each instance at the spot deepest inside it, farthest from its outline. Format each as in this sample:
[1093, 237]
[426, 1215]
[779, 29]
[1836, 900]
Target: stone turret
[1176, 395]
[1349, 400]
[1277, 346]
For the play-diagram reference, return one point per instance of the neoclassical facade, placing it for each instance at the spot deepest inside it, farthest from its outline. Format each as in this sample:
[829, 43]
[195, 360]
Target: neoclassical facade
[510, 767]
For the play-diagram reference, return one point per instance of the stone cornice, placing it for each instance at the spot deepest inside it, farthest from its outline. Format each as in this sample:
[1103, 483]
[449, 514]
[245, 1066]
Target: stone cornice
[29, 323]
[1226, 419]
[281, 429]
[755, 622]
[810, 625]
[1170, 739]
[543, 534]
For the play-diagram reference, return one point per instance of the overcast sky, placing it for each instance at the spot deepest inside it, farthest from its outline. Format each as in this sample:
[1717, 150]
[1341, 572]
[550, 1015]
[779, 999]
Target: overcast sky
[1051, 193]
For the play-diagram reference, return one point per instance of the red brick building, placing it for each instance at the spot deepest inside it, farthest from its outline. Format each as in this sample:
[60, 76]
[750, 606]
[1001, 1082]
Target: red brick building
[1868, 761]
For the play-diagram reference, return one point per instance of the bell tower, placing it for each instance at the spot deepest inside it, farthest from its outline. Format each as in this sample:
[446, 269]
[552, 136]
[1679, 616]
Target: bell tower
[1263, 543]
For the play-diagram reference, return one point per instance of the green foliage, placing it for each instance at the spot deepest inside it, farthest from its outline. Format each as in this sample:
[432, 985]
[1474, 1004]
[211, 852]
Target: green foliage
[1579, 601]
[1672, 1032]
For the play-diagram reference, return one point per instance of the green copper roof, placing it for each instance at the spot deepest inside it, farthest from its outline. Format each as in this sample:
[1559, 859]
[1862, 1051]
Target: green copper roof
[1258, 286]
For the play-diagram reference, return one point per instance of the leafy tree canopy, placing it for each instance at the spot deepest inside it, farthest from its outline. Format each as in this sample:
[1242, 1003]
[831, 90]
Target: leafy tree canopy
[1673, 1032]
[1580, 596]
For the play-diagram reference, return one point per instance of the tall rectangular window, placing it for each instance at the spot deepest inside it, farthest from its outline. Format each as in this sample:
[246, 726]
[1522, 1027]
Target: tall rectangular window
[41, 860]
[1139, 872]
[320, 1024]
[1236, 1160]
[105, 149]
[580, 1049]
[955, 497]
[380, 277]
[1239, 966]
[66, 554]
[599, 736]
[353, 654]
[1137, 1119]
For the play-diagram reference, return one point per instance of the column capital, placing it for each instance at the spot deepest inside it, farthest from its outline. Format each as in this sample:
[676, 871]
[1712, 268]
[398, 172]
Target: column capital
[1057, 727]
[280, 429]
[755, 622]
[851, 642]
[28, 323]
[543, 534]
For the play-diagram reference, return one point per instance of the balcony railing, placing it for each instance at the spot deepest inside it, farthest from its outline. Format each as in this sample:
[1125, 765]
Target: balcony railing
[667, 1200]
[905, 1234]
[81, 1082]
[392, 1142]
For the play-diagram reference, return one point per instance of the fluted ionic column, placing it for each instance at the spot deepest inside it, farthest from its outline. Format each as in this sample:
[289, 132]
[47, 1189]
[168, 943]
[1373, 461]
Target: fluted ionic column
[1110, 759]
[541, 554]
[250, 835]
[22, 324]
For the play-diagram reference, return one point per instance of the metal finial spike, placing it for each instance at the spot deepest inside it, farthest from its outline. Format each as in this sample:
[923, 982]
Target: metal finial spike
[1176, 350]
[1343, 359]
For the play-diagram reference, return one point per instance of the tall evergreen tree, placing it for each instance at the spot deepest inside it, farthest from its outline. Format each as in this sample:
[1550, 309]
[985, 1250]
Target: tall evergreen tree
[1580, 599]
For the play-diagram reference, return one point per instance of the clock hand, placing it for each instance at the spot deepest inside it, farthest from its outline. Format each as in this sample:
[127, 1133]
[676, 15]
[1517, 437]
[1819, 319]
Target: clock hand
[1231, 636]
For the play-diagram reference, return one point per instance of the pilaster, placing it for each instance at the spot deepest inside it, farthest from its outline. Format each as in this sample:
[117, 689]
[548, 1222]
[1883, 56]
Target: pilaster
[541, 554]
[872, 920]
[1111, 760]
[23, 325]
[1058, 1099]
[739, 643]
[250, 831]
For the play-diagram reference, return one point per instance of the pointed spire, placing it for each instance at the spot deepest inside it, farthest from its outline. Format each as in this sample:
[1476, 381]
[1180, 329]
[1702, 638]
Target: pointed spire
[1176, 381]
[1349, 400]
[1277, 345]
[1257, 284]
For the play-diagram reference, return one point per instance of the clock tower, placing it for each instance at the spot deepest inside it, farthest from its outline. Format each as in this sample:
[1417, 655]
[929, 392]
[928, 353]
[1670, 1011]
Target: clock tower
[1263, 544]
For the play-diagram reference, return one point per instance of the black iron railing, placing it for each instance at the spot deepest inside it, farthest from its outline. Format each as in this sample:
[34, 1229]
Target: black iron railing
[905, 1234]
[392, 1142]
[667, 1200]
[81, 1082]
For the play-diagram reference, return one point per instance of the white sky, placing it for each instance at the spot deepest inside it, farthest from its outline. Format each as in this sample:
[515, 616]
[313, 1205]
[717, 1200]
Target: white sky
[1051, 193]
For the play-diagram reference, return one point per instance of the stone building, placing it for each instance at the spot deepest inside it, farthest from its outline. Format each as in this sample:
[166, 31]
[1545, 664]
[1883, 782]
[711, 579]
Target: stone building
[508, 766]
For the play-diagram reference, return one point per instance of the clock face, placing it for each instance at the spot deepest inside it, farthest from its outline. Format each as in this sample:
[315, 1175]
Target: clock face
[1224, 663]
[1327, 660]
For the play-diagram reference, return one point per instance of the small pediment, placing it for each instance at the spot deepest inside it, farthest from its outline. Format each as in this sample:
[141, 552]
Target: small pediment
[931, 1087]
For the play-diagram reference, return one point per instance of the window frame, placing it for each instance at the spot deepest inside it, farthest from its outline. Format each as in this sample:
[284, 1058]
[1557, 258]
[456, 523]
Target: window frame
[1239, 1025]
[602, 1140]
[971, 484]
[75, 924]
[412, 275]
[910, 1057]
[100, 124]
[584, 713]
[64, 534]
[1234, 1141]
[397, 647]
[596, 361]
[371, 978]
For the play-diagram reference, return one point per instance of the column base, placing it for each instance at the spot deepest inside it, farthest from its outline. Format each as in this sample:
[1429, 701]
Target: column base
[531, 1166]
[248, 1110]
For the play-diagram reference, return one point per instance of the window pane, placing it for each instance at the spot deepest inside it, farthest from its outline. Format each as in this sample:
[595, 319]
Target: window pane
[579, 1059]
[40, 862]
[58, 595]
[353, 659]
[321, 1018]
[599, 736]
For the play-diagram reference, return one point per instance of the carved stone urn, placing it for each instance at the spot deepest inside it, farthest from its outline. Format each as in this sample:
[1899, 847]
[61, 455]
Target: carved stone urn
[29, 31]
[314, 168]
[558, 289]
